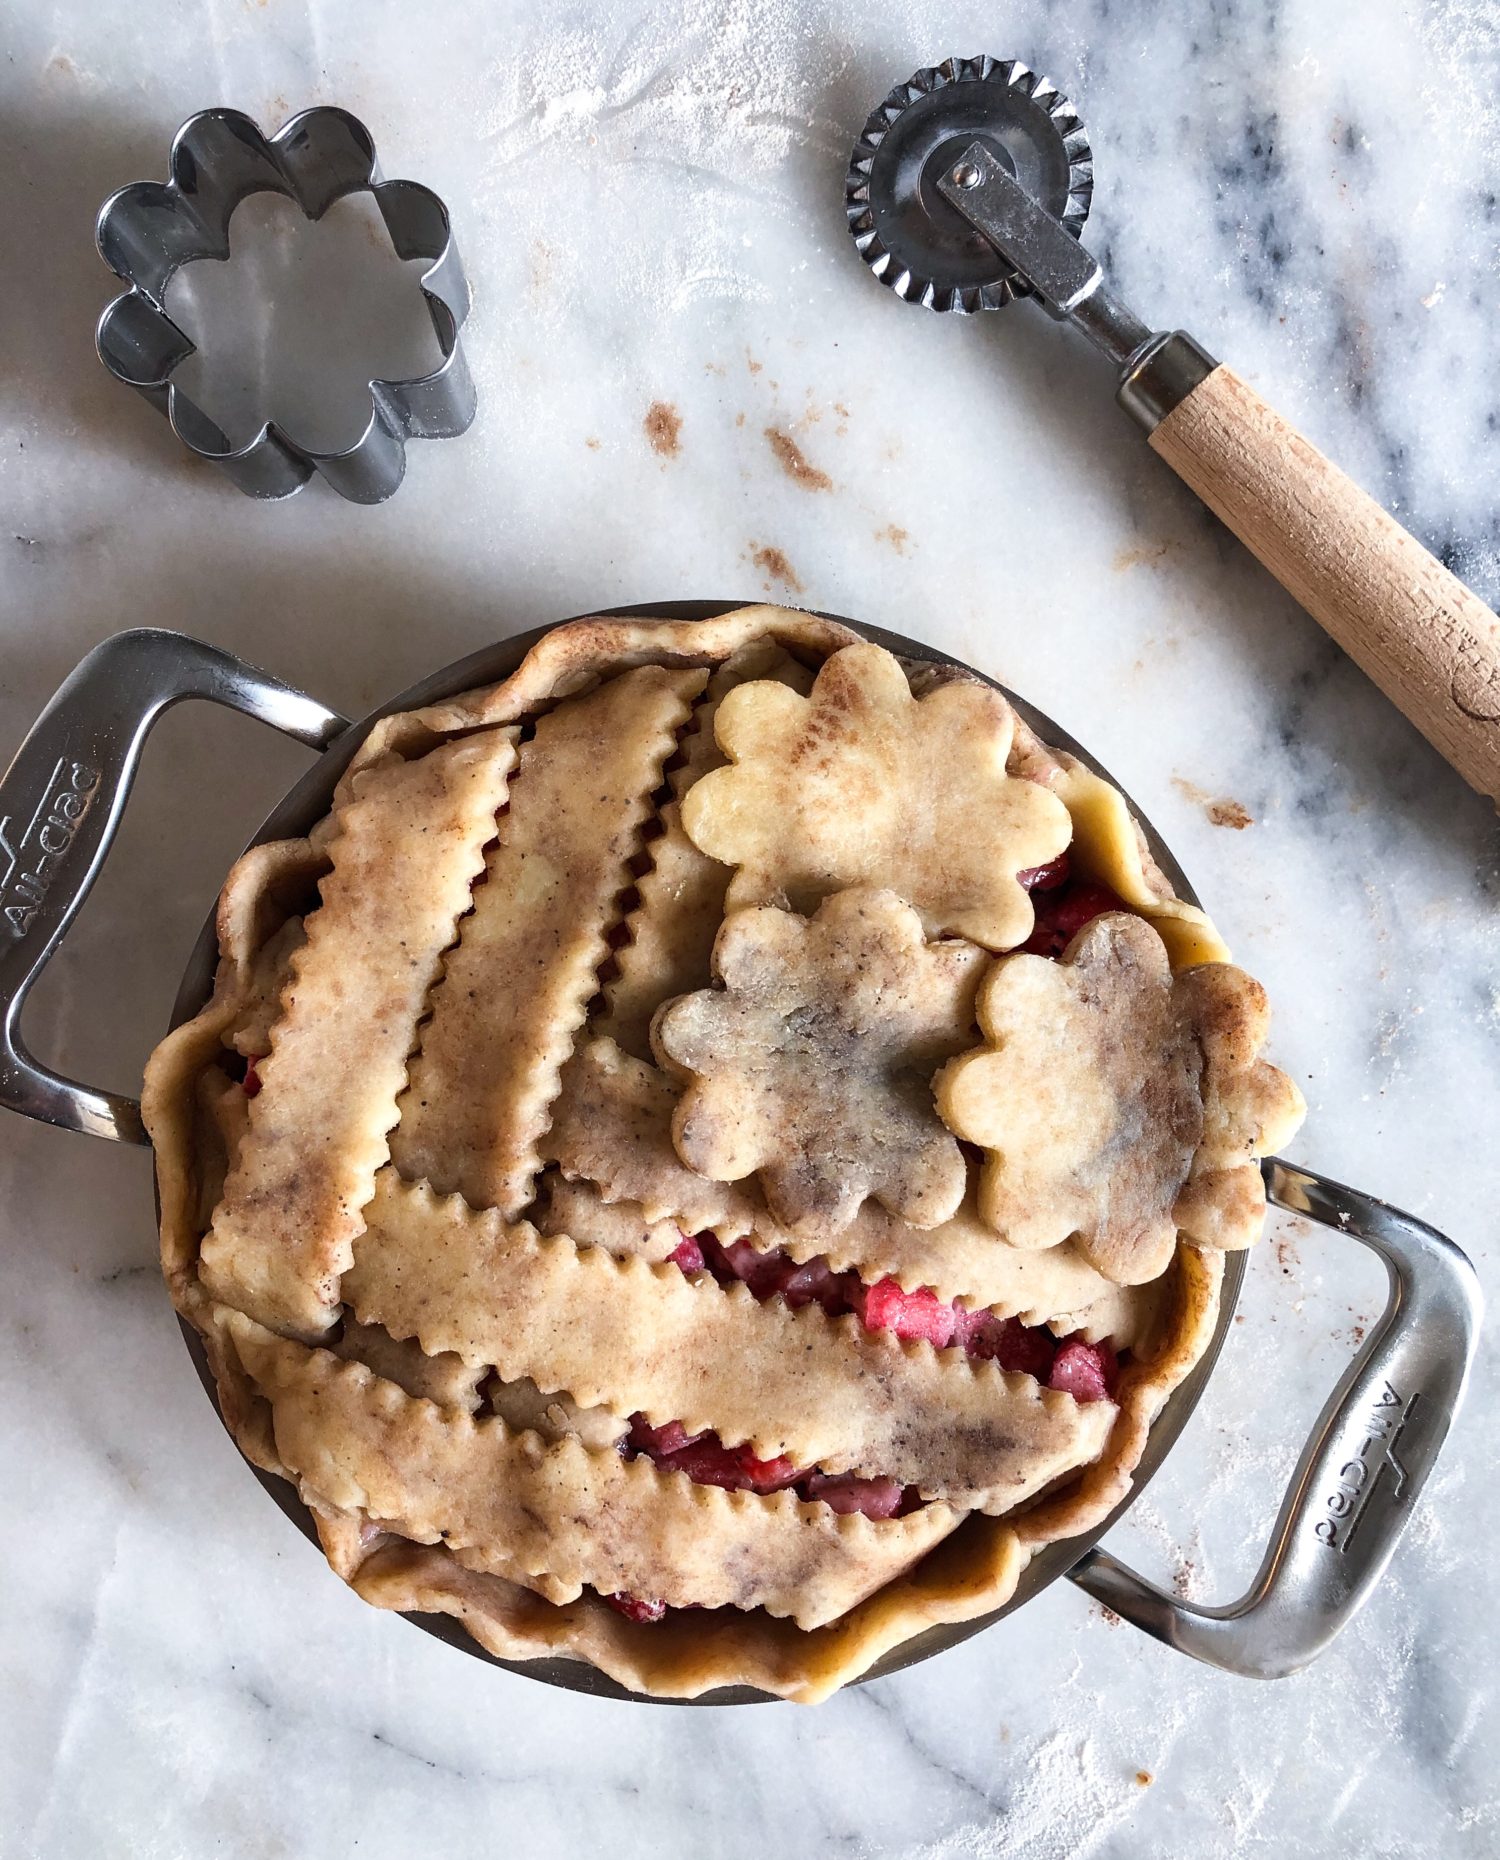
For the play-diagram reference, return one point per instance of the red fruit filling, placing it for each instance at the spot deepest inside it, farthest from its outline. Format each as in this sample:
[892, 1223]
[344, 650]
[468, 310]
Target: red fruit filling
[910, 1314]
[1046, 877]
[876, 1498]
[636, 1607]
[1062, 913]
[687, 1254]
[1022, 1348]
[250, 1084]
[706, 1460]
[772, 1273]
[984, 1337]
[1086, 1371]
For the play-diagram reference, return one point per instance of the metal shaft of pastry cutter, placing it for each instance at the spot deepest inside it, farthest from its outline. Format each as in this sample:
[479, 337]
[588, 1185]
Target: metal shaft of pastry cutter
[1157, 369]
[1428, 641]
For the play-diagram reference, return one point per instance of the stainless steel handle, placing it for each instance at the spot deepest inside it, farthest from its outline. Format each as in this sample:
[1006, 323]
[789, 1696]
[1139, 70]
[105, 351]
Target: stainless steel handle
[1367, 1458]
[61, 801]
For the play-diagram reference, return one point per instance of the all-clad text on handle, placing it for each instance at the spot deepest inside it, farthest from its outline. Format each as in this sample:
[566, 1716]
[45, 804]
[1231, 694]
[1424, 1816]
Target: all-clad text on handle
[61, 802]
[1366, 1460]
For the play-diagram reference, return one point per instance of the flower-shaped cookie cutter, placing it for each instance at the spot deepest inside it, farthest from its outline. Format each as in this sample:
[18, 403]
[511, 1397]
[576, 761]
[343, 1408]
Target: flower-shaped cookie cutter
[148, 230]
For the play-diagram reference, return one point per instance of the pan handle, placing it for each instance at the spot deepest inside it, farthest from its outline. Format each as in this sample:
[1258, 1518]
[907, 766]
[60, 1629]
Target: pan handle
[1367, 1458]
[61, 802]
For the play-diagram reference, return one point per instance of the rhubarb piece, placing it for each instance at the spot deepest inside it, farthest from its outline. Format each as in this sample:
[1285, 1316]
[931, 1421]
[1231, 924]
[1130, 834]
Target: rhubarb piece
[637, 1607]
[909, 1314]
[871, 1498]
[1083, 1370]
[1027, 1349]
[687, 1255]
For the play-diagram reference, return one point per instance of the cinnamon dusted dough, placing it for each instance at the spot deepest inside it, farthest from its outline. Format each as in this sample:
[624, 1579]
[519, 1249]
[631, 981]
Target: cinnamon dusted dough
[1116, 1103]
[810, 1065]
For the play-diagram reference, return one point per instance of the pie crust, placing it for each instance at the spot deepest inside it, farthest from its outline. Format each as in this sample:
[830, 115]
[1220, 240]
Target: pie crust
[596, 1100]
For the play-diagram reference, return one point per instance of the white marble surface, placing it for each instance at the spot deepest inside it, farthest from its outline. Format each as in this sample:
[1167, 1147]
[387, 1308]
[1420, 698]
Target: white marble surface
[648, 199]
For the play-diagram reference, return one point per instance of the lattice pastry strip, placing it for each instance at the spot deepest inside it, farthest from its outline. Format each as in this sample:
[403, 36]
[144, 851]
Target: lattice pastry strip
[619, 1227]
[406, 849]
[968, 1576]
[516, 988]
[614, 1129]
[182, 1102]
[673, 927]
[442, 1376]
[824, 1392]
[523, 1506]
[1037, 1288]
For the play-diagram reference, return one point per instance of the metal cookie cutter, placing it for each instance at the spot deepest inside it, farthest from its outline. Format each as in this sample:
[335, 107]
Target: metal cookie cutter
[148, 230]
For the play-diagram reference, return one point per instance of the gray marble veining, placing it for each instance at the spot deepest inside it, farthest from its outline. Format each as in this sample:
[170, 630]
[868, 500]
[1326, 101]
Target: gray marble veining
[648, 200]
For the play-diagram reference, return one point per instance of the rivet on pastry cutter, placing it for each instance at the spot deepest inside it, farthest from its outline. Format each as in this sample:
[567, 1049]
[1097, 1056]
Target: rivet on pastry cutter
[969, 186]
[148, 230]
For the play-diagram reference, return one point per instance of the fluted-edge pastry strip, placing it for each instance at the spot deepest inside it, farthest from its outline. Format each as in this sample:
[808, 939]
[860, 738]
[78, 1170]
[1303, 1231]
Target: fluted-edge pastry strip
[406, 849]
[672, 928]
[517, 986]
[614, 1129]
[529, 1508]
[825, 1392]
[1125, 1315]
[442, 1376]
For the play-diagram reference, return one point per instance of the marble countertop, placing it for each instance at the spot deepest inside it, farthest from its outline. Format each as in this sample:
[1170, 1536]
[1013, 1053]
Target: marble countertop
[648, 200]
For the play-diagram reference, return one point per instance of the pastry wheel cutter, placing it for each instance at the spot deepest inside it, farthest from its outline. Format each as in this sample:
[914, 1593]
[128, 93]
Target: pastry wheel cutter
[969, 186]
[149, 230]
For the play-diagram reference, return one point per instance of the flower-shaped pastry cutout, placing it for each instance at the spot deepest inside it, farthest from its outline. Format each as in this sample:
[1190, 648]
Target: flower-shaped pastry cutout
[812, 1064]
[861, 783]
[1250, 1108]
[1085, 1097]
[1114, 1099]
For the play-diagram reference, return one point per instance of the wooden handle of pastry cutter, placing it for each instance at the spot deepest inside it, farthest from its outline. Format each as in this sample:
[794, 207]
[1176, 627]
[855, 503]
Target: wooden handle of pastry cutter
[1429, 642]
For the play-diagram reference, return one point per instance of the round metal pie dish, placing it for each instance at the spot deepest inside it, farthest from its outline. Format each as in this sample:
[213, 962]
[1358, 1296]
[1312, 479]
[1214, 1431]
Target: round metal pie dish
[1368, 1454]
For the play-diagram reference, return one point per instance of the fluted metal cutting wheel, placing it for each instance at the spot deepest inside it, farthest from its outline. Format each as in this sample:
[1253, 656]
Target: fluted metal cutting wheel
[906, 232]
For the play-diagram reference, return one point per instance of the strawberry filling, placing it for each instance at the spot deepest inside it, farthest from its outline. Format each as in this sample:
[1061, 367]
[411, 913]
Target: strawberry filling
[705, 1459]
[250, 1083]
[910, 1314]
[846, 1492]
[1061, 912]
[687, 1254]
[982, 1335]
[636, 1607]
[1046, 877]
[1086, 1371]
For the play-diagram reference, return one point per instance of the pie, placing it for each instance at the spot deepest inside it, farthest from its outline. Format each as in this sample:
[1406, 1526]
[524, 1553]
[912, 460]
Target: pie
[711, 1154]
